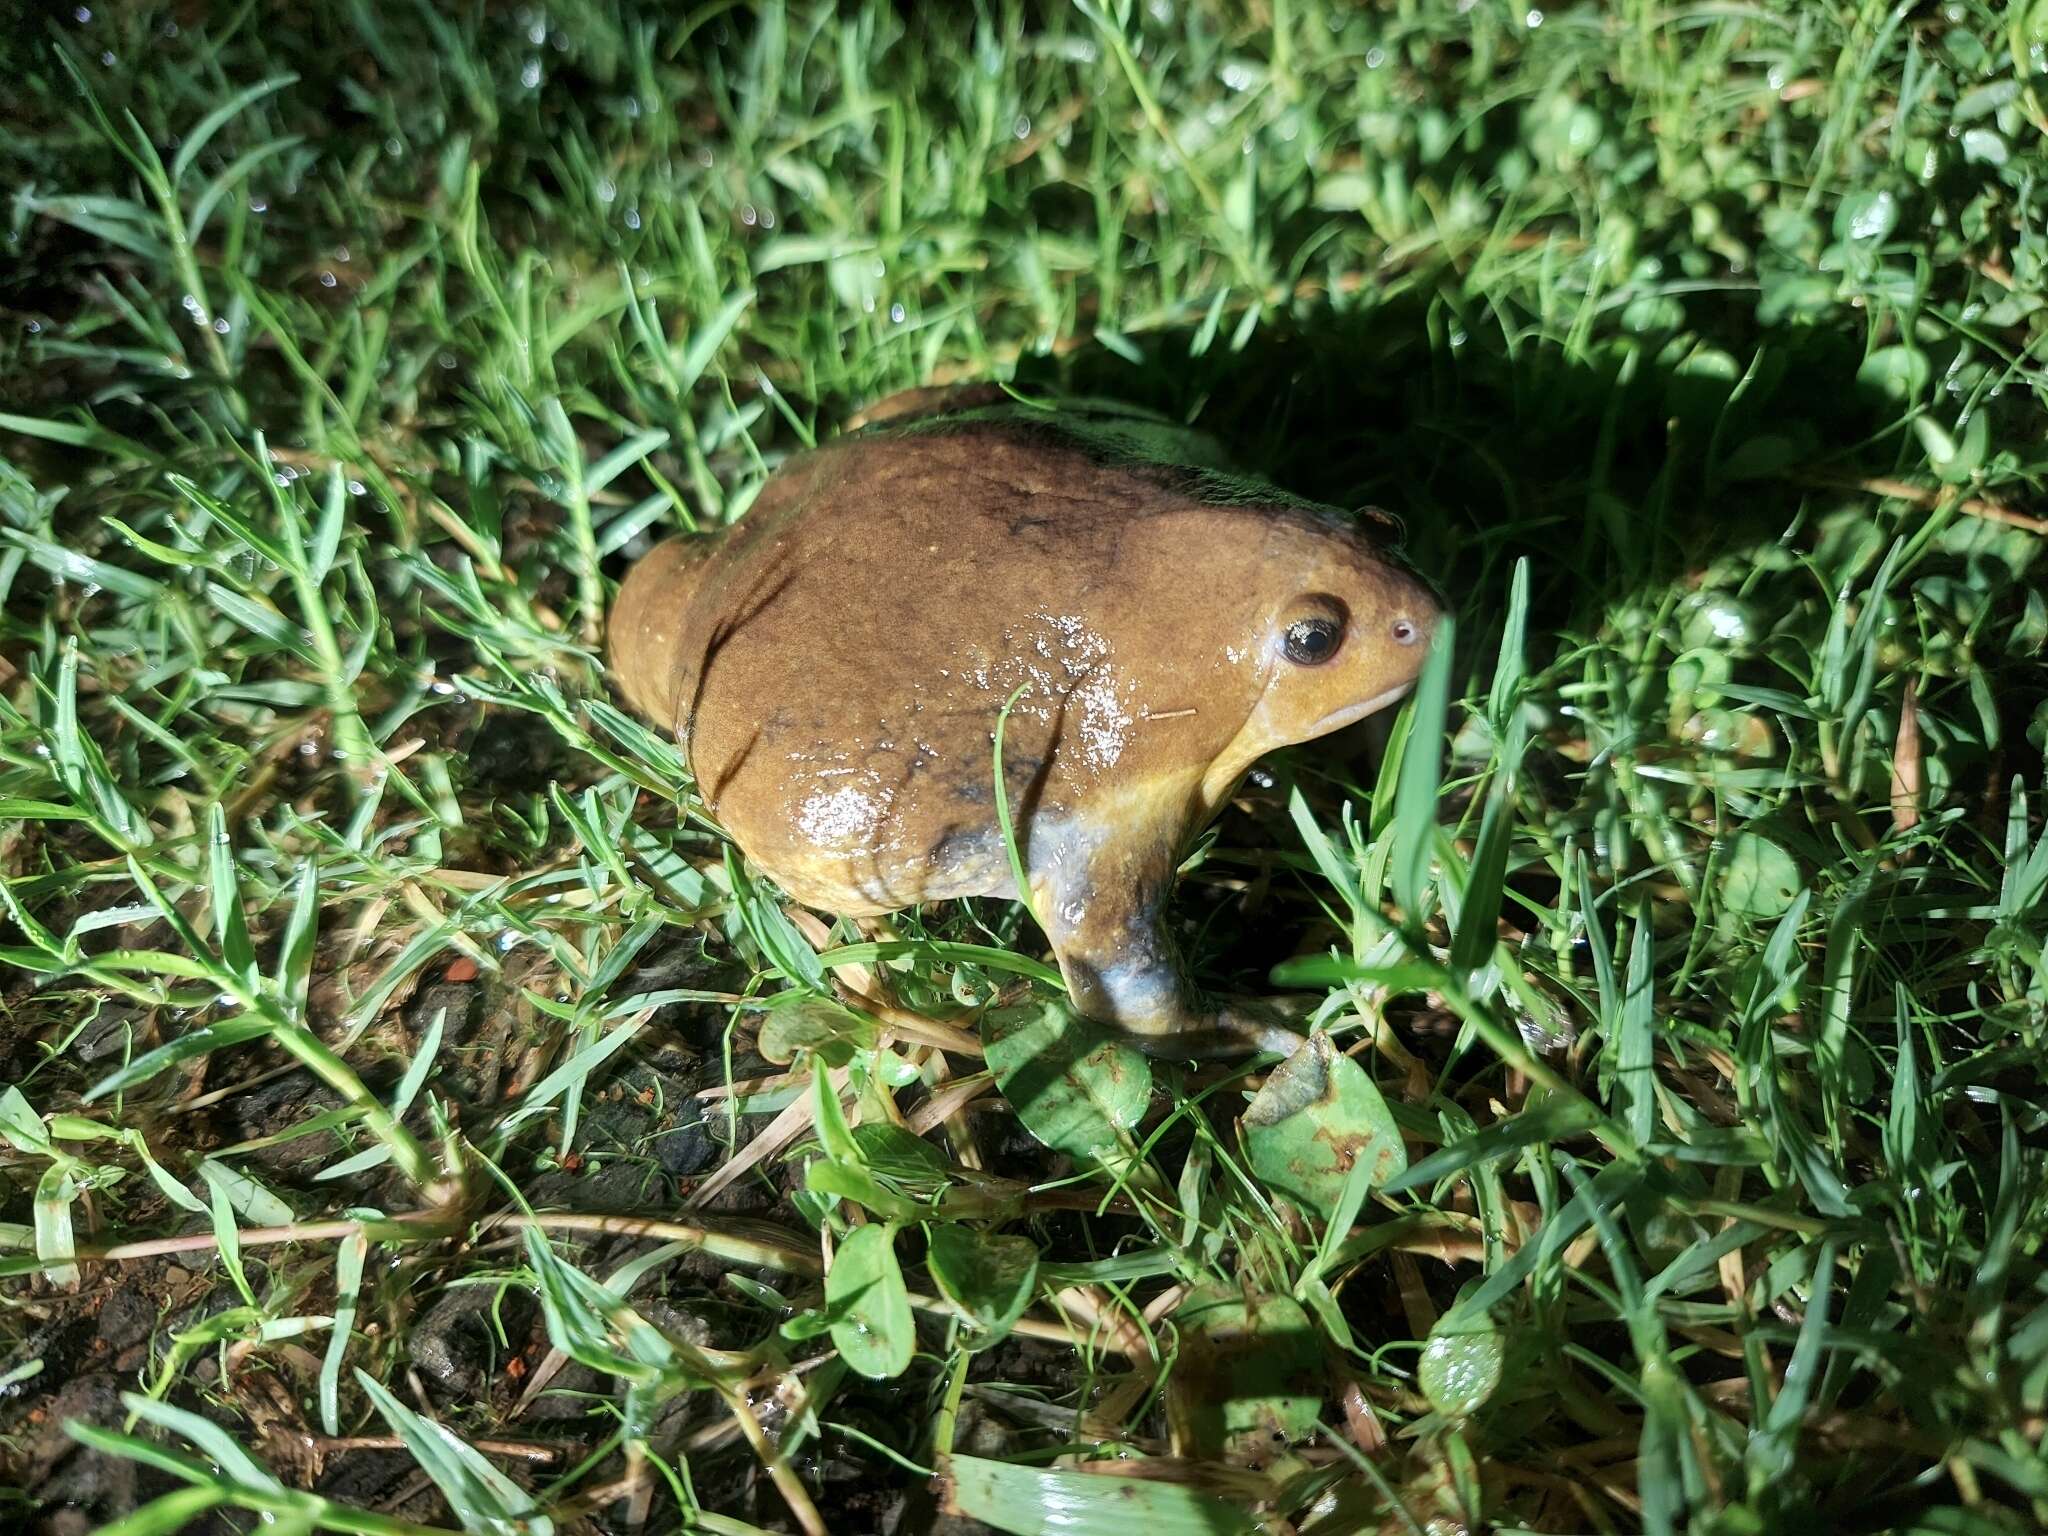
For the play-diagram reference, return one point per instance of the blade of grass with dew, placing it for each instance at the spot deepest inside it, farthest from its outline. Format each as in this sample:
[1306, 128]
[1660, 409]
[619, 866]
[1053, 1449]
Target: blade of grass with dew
[483, 1499]
[1414, 825]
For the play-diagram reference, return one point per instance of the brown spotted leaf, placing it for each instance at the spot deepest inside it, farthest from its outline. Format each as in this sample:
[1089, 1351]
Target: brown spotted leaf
[1317, 1116]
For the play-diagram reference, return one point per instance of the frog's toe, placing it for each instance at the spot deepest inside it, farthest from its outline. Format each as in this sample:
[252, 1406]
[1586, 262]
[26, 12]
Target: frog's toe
[1289, 1007]
[1237, 1027]
[1265, 1023]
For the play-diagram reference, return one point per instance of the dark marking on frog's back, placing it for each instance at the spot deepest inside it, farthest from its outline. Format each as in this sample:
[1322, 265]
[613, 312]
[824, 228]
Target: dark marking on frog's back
[729, 770]
[1171, 458]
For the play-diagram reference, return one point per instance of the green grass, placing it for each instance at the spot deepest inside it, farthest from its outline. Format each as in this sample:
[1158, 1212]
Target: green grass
[1696, 997]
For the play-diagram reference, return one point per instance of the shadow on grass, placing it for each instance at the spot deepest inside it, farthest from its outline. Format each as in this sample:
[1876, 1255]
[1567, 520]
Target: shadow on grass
[1633, 462]
[1661, 487]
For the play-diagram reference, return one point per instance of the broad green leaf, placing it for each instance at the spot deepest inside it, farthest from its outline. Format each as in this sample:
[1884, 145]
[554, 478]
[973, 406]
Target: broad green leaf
[818, 1025]
[1866, 217]
[1317, 1116]
[827, 1114]
[1076, 1088]
[872, 1323]
[902, 1157]
[1898, 374]
[989, 1277]
[1461, 1363]
[850, 1181]
[1758, 878]
[1250, 1374]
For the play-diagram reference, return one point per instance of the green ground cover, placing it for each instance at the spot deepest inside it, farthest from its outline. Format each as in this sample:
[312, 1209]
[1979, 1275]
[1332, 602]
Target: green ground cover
[1694, 995]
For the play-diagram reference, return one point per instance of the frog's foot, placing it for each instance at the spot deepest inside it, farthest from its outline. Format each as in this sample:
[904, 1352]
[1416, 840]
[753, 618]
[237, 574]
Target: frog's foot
[1122, 970]
[1227, 1027]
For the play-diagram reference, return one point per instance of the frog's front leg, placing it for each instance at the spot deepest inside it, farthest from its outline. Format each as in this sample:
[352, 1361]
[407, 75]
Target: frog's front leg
[1102, 900]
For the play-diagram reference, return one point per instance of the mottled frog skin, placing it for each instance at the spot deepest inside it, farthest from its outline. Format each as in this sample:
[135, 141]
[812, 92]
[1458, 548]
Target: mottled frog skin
[835, 664]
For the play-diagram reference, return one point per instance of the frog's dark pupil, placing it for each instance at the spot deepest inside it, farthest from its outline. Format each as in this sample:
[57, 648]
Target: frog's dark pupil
[1310, 641]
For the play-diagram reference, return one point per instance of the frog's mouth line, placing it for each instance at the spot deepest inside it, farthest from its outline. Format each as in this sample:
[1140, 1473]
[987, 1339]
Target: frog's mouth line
[1337, 719]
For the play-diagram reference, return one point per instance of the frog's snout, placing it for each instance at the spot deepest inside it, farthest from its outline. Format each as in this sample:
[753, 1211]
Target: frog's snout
[1392, 618]
[1414, 611]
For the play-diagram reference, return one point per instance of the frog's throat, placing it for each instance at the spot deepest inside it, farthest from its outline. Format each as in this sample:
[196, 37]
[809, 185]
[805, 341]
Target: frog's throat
[1251, 744]
[1351, 714]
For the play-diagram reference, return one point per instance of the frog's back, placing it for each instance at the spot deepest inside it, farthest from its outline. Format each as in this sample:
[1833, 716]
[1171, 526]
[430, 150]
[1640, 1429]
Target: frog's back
[836, 663]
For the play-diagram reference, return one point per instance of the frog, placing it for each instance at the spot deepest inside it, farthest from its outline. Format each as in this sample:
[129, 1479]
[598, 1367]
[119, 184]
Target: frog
[1093, 588]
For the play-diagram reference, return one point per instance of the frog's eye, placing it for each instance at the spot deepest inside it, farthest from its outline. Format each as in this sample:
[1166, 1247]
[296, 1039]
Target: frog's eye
[1310, 642]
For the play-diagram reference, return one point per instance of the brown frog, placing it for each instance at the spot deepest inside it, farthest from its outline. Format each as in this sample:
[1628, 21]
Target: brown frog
[835, 665]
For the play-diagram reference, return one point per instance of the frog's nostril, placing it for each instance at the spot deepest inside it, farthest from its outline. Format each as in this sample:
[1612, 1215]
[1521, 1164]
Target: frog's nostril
[1405, 632]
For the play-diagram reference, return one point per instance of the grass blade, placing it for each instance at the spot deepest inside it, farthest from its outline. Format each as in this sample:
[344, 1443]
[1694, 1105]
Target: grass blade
[1414, 827]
